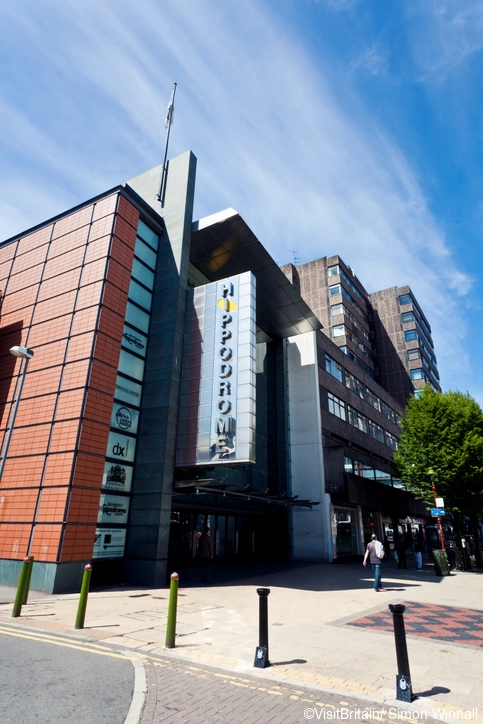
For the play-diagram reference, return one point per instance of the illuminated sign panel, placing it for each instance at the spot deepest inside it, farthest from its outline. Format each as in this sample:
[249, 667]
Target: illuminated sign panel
[217, 403]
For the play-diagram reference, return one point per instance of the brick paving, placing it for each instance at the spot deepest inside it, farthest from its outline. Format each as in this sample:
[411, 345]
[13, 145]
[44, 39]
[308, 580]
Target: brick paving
[183, 692]
[447, 623]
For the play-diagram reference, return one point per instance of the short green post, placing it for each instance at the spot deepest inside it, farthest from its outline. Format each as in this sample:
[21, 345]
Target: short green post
[172, 606]
[17, 606]
[81, 608]
[27, 579]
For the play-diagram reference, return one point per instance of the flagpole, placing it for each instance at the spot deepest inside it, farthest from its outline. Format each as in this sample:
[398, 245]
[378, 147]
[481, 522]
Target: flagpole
[164, 173]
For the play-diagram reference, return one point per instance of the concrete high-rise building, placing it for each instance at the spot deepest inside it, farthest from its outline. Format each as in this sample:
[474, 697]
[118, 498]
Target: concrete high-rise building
[385, 333]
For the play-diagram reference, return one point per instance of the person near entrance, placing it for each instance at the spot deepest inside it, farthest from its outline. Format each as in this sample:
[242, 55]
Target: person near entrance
[375, 554]
[205, 548]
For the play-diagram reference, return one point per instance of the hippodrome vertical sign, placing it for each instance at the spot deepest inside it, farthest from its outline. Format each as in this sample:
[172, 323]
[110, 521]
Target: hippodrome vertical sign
[216, 421]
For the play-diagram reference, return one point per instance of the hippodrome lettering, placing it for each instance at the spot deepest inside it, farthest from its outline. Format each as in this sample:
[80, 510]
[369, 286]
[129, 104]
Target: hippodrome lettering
[224, 424]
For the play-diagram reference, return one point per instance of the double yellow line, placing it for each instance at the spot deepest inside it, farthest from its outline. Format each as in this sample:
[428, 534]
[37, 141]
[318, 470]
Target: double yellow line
[62, 641]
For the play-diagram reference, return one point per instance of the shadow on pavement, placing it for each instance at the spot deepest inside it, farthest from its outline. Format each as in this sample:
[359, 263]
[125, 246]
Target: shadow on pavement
[308, 576]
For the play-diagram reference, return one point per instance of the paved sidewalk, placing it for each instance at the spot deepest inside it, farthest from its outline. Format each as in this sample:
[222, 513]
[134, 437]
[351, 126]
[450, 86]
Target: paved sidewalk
[312, 641]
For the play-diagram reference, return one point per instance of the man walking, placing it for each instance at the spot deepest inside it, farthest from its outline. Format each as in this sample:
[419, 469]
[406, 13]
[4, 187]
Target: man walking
[375, 554]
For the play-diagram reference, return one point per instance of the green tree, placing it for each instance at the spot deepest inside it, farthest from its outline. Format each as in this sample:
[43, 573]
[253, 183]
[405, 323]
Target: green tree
[443, 431]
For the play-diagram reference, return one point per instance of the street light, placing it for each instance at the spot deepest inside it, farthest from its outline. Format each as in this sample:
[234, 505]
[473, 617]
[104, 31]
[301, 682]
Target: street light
[432, 475]
[25, 354]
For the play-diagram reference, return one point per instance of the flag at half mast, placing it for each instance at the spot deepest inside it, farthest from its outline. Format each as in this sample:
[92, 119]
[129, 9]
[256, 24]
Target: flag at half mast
[170, 110]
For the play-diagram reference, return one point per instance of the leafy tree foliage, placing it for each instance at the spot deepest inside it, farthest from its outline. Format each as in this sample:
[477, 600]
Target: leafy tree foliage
[443, 431]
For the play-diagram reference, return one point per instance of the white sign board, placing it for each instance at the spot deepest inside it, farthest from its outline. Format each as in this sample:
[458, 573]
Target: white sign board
[216, 422]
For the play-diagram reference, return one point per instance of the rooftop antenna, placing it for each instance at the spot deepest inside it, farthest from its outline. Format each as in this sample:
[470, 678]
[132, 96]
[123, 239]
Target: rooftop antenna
[167, 124]
[296, 259]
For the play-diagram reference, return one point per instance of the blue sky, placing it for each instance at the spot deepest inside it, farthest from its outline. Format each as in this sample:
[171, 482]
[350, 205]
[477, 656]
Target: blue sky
[348, 127]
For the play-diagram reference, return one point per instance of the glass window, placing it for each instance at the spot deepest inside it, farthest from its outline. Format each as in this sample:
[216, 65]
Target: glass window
[356, 419]
[333, 368]
[338, 330]
[405, 299]
[407, 317]
[336, 406]
[348, 466]
[418, 374]
[134, 340]
[145, 253]
[148, 234]
[391, 440]
[336, 309]
[143, 274]
[140, 295]
[410, 335]
[335, 289]
[136, 317]
[131, 365]
[333, 270]
[414, 354]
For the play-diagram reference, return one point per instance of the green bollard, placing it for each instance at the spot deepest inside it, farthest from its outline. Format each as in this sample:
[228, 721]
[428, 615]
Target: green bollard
[172, 605]
[17, 606]
[81, 608]
[27, 579]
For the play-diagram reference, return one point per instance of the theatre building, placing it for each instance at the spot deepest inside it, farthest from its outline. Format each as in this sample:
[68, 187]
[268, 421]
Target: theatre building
[179, 378]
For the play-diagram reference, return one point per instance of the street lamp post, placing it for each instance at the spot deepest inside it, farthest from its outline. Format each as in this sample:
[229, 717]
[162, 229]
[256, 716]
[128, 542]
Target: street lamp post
[432, 475]
[25, 354]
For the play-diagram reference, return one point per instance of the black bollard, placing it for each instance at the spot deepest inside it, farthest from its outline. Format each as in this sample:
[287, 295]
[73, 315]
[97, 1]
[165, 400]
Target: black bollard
[261, 653]
[403, 679]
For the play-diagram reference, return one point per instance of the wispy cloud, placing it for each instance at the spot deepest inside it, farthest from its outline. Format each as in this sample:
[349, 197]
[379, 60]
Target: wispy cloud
[301, 159]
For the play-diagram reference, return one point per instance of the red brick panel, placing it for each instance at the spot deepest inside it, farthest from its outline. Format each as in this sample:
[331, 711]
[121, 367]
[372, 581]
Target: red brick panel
[128, 212]
[84, 506]
[75, 375]
[94, 437]
[122, 253]
[59, 469]
[69, 404]
[70, 259]
[56, 307]
[107, 350]
[22, 472]
[64, 436]
[52, 505]
[46, 541]
[101, 227]
[32, 412]
[89, 470]
[105, 207]
[51, 330]
[98, 407]
[78, 542]
[85, 320]
[103, 377]
[89, 296]
[73, 222]
[18, 301]
[41, 382]
[111, 323]
[17, 505]
[94, 271]
[47, 355]
[80, 347]
[14, 540]
[32, 440]
[25, 278]
[125, 231]
[63, 244]
[59, 284]
[98, 249]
